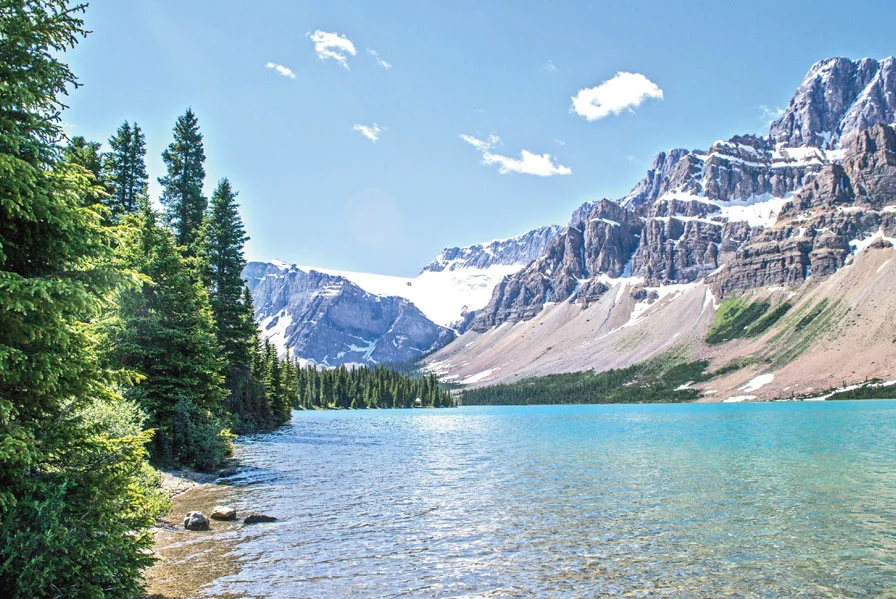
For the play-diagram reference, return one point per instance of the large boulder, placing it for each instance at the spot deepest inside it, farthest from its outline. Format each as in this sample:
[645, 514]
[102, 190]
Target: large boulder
[196, 521]
[223, 512]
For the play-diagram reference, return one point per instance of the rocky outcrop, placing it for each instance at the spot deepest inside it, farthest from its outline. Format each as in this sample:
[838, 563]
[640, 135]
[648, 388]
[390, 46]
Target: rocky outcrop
[521, 249]
[602, 243]
[196, 521]
[654, 182]
[329, 320]
[838, 98]
[818, 230]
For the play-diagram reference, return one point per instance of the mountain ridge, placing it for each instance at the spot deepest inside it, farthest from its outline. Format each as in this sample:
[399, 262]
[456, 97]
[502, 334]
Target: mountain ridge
[786, 212]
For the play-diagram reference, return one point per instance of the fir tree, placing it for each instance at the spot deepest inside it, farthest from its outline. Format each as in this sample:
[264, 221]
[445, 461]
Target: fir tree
[125, 170]
[182, 196]
[76, 496]
[167, 335]
[223, 240]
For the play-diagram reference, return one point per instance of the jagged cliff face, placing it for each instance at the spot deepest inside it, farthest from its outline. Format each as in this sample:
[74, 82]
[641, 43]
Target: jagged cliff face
[849, 205]
[837, 99]
[747, 212]
[329, 320]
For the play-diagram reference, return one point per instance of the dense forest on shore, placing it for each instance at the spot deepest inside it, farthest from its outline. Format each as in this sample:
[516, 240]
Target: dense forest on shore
[662, 380]
[127, 336]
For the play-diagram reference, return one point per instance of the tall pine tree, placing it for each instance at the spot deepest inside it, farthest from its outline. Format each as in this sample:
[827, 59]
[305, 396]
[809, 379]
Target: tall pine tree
[182, 195]
[125, 170]
[222, 250]
[76, 500]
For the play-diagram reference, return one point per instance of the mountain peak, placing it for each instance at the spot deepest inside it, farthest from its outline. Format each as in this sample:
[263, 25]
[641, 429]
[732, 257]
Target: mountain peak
[837, 98]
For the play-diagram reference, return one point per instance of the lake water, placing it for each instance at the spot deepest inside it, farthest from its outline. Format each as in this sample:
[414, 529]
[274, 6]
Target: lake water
[697, 500]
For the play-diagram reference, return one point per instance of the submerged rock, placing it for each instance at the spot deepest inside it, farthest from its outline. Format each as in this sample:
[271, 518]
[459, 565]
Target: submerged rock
[196, 521]
[222, 512]
[226, 472]
[258, 519]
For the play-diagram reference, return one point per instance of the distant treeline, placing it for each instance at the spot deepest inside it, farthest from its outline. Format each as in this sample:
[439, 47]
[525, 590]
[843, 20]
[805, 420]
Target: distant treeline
[656, 381]
[359, 388]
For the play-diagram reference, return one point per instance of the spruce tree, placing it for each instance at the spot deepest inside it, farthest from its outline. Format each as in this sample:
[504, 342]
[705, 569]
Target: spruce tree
[124, 167]
[223, 239]
[167, 335]
[182, 195]
[76, 496]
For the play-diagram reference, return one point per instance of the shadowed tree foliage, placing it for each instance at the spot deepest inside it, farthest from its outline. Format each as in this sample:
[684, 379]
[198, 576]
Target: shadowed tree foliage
[76, 495]
[166, 334]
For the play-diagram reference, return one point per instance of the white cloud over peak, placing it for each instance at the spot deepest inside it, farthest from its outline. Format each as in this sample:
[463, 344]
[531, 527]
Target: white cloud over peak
[528, 163]
[770, 115]
[379, 59]
[371, 132]
[332, 45]
[285, 71]
[625, 91]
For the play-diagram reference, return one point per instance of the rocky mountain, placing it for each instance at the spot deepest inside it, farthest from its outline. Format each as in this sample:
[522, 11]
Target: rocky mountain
[329, 320]
[694, 210]
[332, 317]
[749, 215]
[837, 99]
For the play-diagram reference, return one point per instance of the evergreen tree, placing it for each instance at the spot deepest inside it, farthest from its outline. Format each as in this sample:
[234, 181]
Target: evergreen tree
[76, 496]
[223, 240]
[87, 155]
[167, 335]
[125, 170]
[182, 196]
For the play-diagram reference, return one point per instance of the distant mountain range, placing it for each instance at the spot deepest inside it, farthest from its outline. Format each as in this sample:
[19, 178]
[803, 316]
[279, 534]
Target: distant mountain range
[334, 317]
[803, 218]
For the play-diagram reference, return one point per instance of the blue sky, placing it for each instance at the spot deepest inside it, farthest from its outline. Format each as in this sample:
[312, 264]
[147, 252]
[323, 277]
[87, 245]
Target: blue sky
[316, 189]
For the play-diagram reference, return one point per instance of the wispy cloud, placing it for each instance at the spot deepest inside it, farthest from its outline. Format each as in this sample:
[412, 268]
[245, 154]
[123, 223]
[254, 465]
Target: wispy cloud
[528, 163]
[559, 141]
[371, 132]
[379, 59]
[332, 45]
[549, 67]
[625, 91]
[770, 115]
[285, 71]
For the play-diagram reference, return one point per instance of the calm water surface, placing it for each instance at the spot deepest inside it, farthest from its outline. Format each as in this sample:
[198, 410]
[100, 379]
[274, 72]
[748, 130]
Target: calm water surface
[746, 500]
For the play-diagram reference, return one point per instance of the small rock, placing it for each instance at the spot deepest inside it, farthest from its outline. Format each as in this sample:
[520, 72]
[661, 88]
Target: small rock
[258, 519]
[222, 512]
[227, 472]
[196, 521]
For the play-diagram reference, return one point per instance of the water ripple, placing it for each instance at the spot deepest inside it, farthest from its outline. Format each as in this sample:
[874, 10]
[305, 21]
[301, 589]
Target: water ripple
[773, 500]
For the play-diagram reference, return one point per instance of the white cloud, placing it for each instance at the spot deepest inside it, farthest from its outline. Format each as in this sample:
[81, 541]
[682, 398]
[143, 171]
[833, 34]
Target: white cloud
[379, 60]
[285, 71]
[528, 163]
[549, 67]
[770, 115]
[332, 45]
[625, 91]
[559, 141]
[371, 132]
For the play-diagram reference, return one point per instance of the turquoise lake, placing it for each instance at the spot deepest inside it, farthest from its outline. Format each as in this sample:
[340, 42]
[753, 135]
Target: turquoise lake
[697, 500]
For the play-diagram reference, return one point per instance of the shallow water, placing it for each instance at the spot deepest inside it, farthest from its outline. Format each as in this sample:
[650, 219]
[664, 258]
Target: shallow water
[698, 500]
